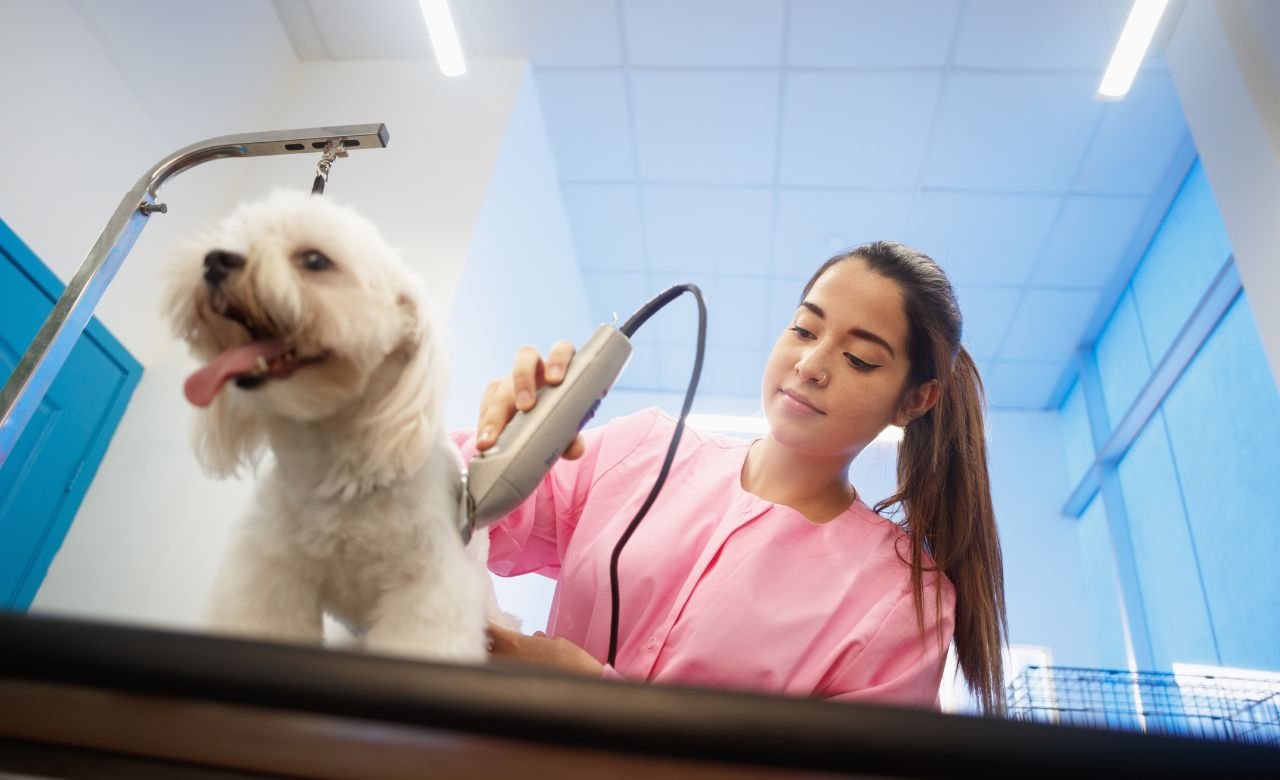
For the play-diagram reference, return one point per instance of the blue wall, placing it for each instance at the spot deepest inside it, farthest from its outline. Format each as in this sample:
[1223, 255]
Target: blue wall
[1200, 483]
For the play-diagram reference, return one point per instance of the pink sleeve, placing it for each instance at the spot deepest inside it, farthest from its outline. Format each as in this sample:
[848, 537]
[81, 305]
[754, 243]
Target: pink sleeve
[898, 665]
[534, 536]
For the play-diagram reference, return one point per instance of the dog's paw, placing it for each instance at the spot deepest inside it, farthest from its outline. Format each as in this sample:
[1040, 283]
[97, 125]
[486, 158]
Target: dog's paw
[437, 646]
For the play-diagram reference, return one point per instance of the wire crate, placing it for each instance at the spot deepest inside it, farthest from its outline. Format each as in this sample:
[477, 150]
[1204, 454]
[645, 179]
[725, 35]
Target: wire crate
[1222, 708]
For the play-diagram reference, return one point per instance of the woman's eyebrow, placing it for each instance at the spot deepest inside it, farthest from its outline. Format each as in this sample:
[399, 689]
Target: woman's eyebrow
[859, 332]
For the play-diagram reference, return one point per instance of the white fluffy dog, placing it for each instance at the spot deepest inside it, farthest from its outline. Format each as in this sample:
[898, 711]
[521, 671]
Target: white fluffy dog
[318, 346]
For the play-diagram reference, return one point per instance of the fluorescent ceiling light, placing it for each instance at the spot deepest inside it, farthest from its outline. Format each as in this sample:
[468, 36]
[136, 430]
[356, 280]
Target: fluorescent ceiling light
[444, 38]
[758, 425]
[1144, 17]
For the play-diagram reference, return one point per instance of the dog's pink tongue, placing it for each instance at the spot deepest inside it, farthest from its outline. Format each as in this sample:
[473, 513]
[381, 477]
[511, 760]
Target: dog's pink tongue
[202, 386]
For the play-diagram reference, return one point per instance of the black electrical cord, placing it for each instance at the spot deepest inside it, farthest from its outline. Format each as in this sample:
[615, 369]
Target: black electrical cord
[628, 328]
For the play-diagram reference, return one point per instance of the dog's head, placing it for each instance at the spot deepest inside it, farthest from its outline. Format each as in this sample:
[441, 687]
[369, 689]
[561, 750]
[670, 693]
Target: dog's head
[299, 311]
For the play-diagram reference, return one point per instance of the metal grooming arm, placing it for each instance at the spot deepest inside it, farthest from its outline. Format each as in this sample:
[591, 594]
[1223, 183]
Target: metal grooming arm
[25, 389]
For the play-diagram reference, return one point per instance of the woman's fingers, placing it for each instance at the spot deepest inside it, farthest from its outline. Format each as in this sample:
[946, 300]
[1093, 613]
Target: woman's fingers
[518, 392]
[558, 361]
[539, 650]
[496, 410]
[526, 377]
[576, 448]
[503, 641]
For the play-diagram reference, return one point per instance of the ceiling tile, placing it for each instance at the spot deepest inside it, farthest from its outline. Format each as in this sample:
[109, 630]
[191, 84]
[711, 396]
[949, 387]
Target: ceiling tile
[735, 309]
[677, 322]
[678, 33]
[605, 221]
[1012, 132]
[641, 372]
[1088, 243]
[1022, 385]
[727, 371]
[588, 124]
[711, 229]
[551, 33]
[987, 312]
[984, 372]
[871, 33]
[716, 127]
[815, 224]
[784, 299]
[981, 239]
[737, 372]
[646, 339]
[675, 363]
[1017, 34]
[1138, 139]
[660, 280]
[1049, 324]
[994, 134]
[611, 292]
[831, 138]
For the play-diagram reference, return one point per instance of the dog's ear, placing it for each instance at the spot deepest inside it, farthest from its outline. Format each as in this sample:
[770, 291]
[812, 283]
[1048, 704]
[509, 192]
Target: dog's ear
[227, 435]
[404, 424]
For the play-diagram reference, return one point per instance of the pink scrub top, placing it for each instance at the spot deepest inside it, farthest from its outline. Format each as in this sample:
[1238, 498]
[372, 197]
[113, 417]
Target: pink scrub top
[719, 587]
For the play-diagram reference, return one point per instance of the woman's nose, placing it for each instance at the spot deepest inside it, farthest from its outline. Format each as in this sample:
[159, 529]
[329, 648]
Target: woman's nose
[810, 369]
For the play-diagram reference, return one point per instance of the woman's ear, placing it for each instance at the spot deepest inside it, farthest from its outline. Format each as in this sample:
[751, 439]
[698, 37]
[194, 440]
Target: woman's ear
[918, 401]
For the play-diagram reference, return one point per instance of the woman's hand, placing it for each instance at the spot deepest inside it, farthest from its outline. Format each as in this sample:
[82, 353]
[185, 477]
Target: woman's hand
[538, 650]
[518, 392]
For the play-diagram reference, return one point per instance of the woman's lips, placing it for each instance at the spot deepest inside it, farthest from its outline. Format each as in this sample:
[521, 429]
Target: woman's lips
[798, 403]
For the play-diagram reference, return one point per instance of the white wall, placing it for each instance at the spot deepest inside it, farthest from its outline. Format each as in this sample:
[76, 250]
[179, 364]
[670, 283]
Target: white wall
[1224, 61]
[520, 285]
[1045, 587]
[93, 94]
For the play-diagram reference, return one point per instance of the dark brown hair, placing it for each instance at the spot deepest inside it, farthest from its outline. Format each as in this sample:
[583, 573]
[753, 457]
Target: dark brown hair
[943, 485]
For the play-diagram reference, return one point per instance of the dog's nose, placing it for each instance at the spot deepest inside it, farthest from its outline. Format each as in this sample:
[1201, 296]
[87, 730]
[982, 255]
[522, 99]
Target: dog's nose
[219, 264]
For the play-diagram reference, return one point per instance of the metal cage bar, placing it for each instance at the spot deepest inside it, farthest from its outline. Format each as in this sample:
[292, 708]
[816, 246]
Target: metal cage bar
[1223, 708]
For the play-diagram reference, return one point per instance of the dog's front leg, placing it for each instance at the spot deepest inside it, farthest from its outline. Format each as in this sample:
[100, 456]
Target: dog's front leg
[266, 592]
[440, 616]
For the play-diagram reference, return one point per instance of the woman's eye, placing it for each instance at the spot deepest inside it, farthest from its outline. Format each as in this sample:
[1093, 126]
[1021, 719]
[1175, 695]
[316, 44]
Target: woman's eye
[859, 363]
[315, 261]
[801, 332]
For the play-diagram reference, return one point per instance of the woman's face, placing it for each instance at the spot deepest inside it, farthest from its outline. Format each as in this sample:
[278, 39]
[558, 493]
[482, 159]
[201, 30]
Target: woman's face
[836, 375]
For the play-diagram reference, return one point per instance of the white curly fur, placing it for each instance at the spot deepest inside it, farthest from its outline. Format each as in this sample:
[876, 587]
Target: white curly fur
[355, 515]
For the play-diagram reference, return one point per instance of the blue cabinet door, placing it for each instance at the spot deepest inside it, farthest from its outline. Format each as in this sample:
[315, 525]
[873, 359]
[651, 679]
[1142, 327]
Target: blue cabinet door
[46, 475]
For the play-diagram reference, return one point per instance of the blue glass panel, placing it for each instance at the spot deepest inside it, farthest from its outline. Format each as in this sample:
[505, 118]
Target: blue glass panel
[1076, 437]
[1103, 587]
[1186, 253]
[1123, 365]
[1224, 425]
[1169, 578]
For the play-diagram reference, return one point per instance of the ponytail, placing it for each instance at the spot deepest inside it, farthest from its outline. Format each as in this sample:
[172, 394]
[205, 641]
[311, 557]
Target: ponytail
[944, 488]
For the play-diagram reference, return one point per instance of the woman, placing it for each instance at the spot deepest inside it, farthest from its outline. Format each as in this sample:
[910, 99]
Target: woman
[759, 567]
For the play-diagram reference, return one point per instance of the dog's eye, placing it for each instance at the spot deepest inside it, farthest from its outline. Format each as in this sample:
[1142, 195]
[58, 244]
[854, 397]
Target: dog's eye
[314, 261]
